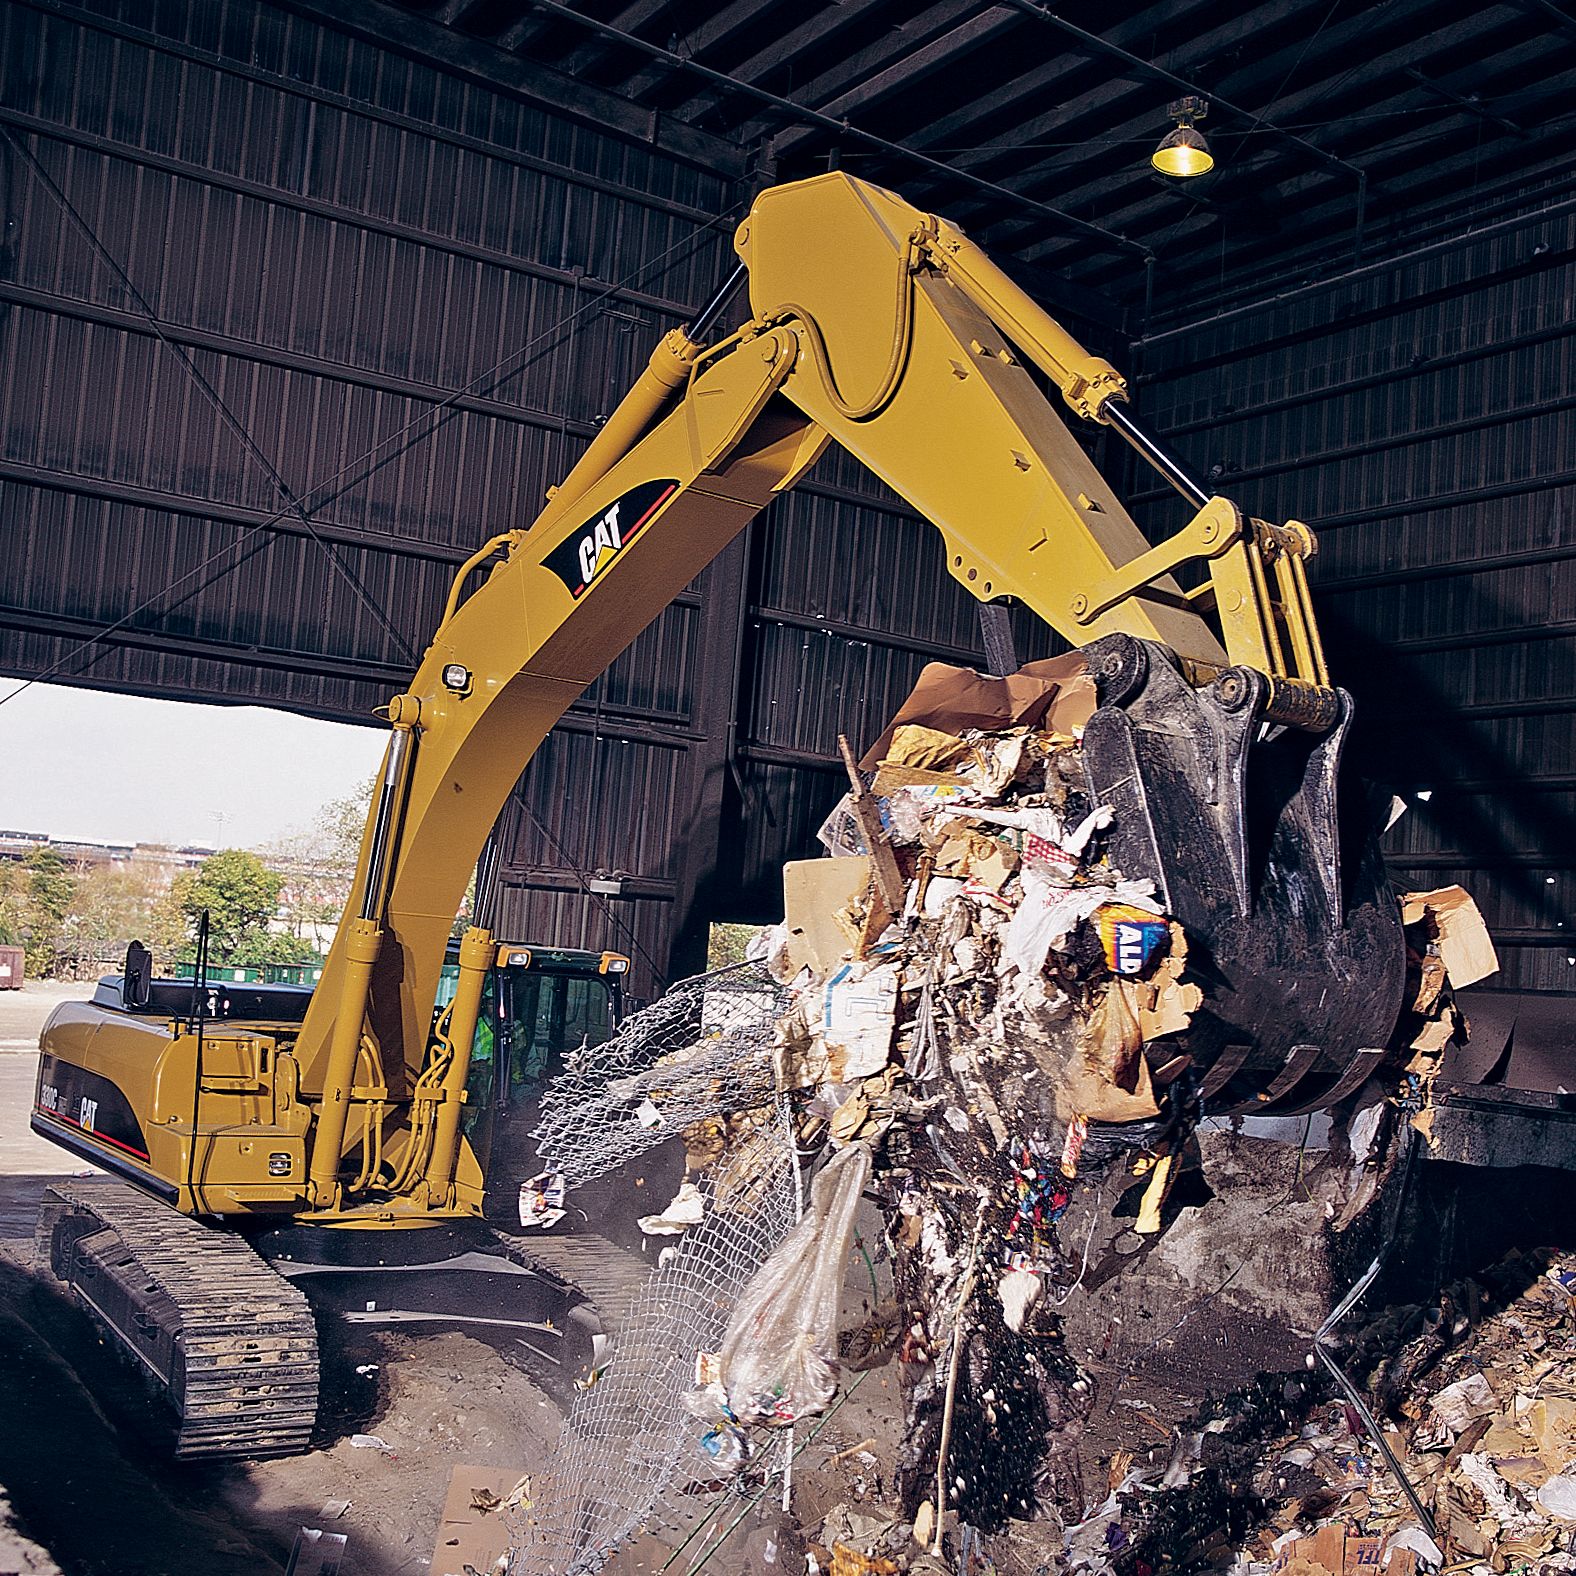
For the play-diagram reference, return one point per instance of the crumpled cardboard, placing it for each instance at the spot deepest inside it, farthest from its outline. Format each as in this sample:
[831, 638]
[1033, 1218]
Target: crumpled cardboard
[972, 856]
[1056, 695]
[889, 778]
[818, 895]
[928, 748]
[474, 1529]
[1464, 944]
[1333, 1551]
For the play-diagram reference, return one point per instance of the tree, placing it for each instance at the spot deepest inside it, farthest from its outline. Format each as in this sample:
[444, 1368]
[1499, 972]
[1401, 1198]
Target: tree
[241, 895]
[265, 947]
[338, 830]
[110, 907]
[319, 865]
[729, 943]
[13, 903]
[164, 929]
[46, 895]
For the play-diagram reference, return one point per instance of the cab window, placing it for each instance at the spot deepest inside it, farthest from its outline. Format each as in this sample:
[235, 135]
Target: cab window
[549, 1016]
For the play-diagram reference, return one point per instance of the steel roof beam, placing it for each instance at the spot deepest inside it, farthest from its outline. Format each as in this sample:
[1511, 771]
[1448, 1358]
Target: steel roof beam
[1107, 111]
[594, 51]
[843, 131]
[821, 29]
[1547, 8]
[1099, 167]
[1047, 79]
[716, 32]
[1469, 104]
[873, 75]
[481, 61]
[912, 68]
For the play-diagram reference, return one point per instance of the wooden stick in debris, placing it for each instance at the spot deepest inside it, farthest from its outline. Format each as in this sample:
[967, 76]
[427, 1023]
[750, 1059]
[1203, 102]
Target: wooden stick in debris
[966, 1069]
[949, 1403]
[878, 917]
[883, 862]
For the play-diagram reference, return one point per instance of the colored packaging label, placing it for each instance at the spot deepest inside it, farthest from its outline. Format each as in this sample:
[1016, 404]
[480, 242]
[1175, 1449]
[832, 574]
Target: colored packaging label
[1131, 937]
[1072, 1149]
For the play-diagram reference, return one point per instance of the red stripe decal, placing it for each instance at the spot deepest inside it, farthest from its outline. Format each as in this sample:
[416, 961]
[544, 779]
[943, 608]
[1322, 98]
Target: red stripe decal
[640, 523]
[103, 1138]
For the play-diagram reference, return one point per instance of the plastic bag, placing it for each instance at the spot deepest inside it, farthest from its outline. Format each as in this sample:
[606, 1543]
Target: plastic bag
[1108, 1080]
[776, 1357]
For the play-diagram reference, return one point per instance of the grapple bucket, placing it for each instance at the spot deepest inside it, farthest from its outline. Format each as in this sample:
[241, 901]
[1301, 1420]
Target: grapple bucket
[1292, 927]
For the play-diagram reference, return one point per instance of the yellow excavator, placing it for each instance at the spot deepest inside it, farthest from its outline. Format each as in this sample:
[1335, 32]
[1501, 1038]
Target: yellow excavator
[248, 1142]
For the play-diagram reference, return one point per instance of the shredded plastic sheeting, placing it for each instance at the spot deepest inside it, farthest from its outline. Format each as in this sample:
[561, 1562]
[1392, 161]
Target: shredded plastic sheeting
[704, 1049]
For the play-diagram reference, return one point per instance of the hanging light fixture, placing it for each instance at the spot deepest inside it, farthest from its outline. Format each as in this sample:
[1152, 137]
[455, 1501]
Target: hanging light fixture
[1183, 152]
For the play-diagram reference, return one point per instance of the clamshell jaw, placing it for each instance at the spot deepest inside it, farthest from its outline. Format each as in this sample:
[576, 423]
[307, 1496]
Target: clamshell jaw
[1275, 875]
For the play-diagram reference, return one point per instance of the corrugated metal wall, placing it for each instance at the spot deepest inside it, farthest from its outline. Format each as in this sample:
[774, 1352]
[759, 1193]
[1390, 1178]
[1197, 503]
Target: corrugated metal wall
[1423, 419]
[383, 324]
[386, 321]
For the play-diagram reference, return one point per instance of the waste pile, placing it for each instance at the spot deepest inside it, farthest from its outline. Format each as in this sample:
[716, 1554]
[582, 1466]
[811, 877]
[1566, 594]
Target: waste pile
[974, 1012]
[973, 984]
[1477, 1395]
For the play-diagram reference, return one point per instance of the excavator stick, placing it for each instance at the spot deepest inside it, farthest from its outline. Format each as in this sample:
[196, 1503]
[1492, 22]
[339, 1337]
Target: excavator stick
[1238, 823]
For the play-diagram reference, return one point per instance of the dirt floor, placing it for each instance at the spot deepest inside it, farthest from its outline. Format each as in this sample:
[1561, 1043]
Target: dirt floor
[83, 1468]
[81, 1453]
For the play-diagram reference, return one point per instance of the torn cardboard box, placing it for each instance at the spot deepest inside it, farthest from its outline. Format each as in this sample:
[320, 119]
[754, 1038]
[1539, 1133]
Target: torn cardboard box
[473, 1532]
[1055, 696]
[1464, 944]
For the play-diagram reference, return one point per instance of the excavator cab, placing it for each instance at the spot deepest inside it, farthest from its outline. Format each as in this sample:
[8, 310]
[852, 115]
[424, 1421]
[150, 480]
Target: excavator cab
[538, 1005]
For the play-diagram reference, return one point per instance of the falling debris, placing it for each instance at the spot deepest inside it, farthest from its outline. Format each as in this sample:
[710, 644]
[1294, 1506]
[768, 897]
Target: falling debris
[775, 1365]
[972, 1008]
[687, 1209]
[971, 1027]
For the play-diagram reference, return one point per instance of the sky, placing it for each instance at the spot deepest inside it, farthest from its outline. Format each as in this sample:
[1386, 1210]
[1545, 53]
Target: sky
[88, 765]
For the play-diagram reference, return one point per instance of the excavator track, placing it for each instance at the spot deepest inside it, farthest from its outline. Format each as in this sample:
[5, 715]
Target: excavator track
[230, 1342]
[609, 1276]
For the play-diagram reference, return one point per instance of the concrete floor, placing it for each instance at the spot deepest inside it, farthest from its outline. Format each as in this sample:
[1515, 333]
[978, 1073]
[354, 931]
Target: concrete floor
[22, 1015]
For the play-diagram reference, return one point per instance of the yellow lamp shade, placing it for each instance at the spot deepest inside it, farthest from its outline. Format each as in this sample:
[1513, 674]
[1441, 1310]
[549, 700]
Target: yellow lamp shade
[1183, 152]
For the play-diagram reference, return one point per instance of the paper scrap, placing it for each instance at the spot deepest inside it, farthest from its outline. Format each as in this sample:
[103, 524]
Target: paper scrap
[1464, 942]
[542, 1199]
[858, 1007]
[688, 1208]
